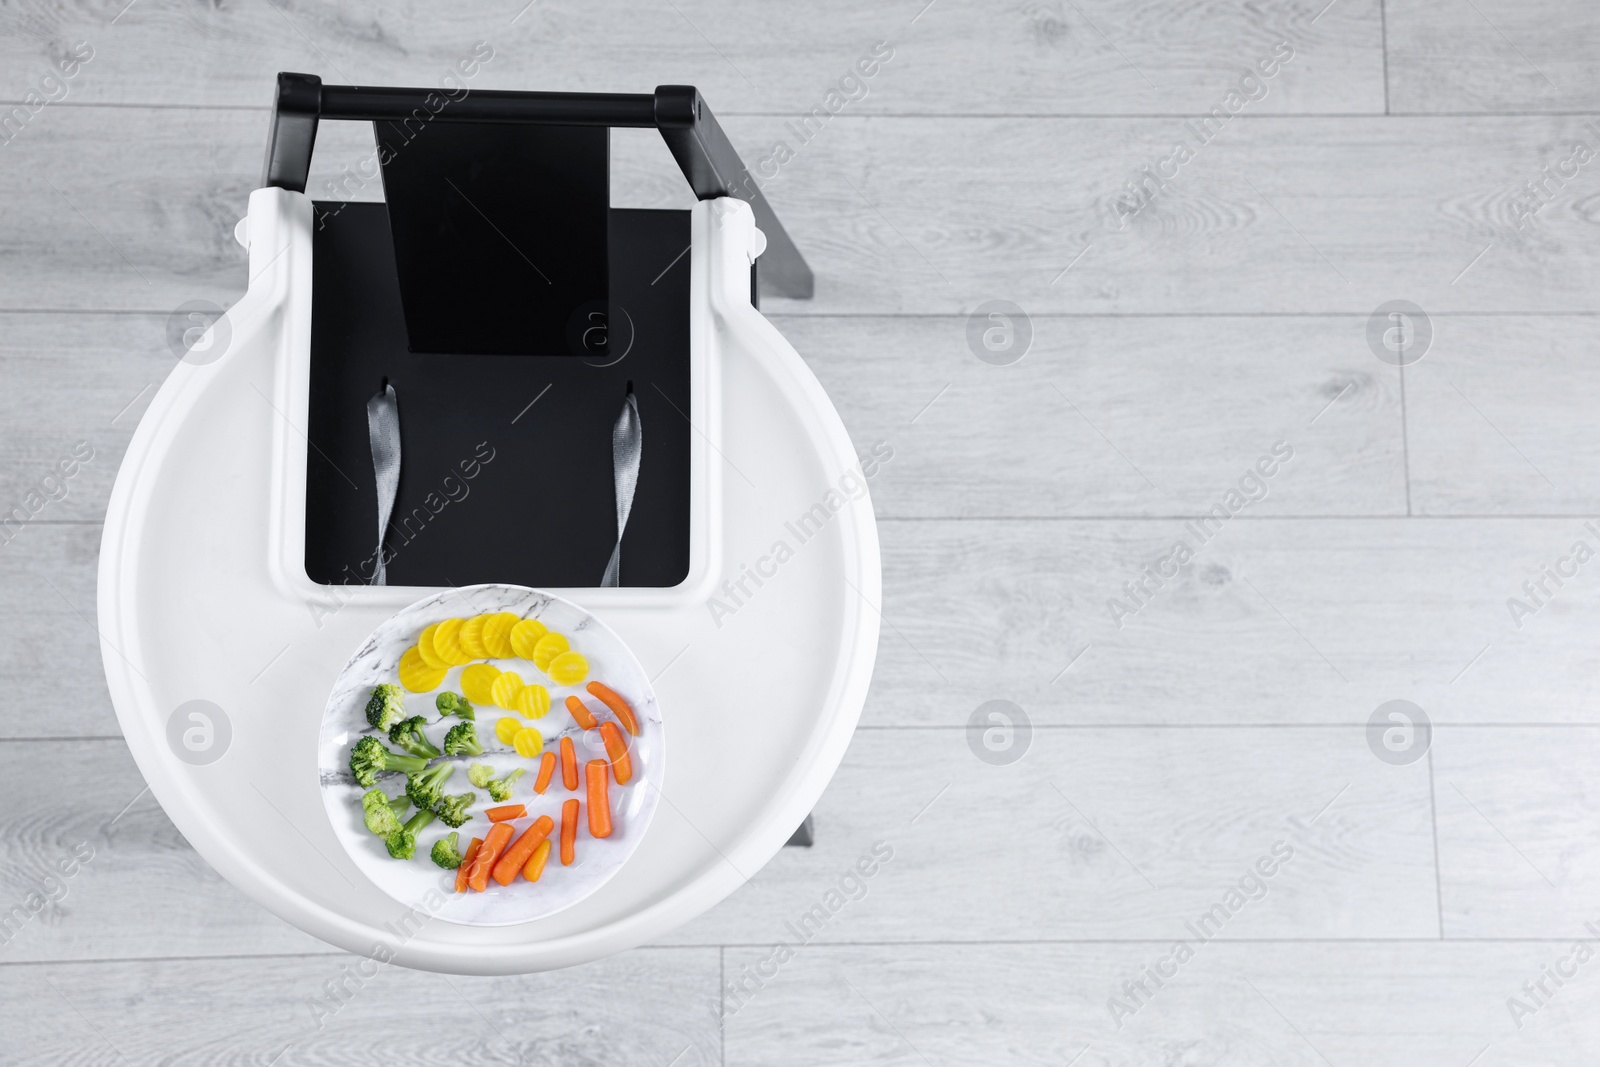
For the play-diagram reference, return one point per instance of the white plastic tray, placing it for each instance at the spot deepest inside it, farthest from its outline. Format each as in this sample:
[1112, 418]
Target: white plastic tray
[202, 597]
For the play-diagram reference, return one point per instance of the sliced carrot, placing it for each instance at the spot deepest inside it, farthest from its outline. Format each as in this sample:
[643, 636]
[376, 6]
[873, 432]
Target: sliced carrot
[617, 749]
[498, 836]
[569, 831]
[580, 712]
[512, 860]
[569, 764]
[536, 862]
[618, 706]
[466, 864]
[547, 767]
[599, 803]
[506, 811]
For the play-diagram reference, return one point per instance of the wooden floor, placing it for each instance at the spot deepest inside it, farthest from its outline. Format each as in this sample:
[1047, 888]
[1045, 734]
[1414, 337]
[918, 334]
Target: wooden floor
[1170, 748]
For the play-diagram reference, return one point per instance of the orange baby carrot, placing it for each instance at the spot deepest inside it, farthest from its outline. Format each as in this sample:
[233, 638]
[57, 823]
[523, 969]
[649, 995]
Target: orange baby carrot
[511, 861]
[569, 831]
[599, 802]
[547, 767]
[617, 749]
[506, 811]
[618, 706]
[536, 862]
[569, 764]
[499, 834]
[580, 712]
[466, 864]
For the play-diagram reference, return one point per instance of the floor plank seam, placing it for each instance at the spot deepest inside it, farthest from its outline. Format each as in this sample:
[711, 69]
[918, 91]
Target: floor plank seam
[1433, 819]
[1383, 37]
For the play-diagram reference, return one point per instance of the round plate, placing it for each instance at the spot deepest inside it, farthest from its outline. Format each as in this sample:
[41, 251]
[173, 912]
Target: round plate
[409, 881]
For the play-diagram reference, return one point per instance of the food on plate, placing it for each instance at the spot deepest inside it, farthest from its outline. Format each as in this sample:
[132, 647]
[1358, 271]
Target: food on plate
[569, 668]
[452, 810]
[382, 814]
[402, 844]
[516, 855]
[547, 767]
[525, 636]
[533, 701]
[494, 842]
[619, 707]
[497, 634]
[569, 764]
[426, 788]
[528, 742]
[449, 703]
[471, 637]
[466, 864]
[385, 707]
[598, 774]
[501, 854]
[580, 712]
[482, 776]
[369, 758]
[505, 812]
[549, 647]
[617, 752]
[416, 675]
[505, 690]
[500, 788]
[407, 734]
[477, 682]
[462, 738]
[426, 650]
[569, 832]
[444, 852]
[447, 643]
[535, 865]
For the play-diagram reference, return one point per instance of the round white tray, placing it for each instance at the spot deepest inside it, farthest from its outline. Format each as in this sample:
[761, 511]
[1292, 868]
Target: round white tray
[764, 656]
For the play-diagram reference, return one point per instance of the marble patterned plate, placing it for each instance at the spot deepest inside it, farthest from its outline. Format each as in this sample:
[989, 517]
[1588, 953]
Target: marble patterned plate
[597, 860]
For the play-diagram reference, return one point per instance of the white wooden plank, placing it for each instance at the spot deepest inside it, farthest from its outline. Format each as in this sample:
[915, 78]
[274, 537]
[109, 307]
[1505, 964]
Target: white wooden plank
[1406, 1005]
[77, 386]
[1114, 416]
[1492, 55]
[1274, 620]
[926, 215]
[1099, 835]
[1500, 416]
[1516, 810]
[47, 572]
[1090, 57]
[136, 888]
[644, 1007]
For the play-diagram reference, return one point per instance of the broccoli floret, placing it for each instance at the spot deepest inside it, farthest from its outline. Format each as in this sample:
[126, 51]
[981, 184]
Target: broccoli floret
[369, 759]
[427, 788]
[500, 788]
[480, 775]
[402, 844]
[381, 814]
[452, 810]
[450, 703]
[444, 851]
[386, 706]
[407, 733]
[462, 738]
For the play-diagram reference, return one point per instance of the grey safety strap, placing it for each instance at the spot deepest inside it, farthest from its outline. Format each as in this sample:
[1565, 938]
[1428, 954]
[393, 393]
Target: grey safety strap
[383, 433]
[627, 443]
